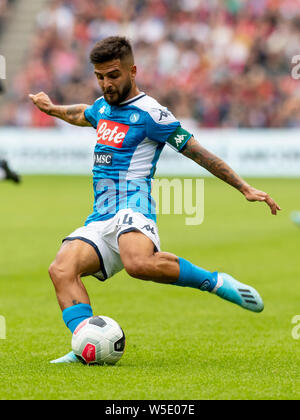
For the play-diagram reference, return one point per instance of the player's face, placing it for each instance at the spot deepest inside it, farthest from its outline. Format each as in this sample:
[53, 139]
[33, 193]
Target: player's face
[116, 79]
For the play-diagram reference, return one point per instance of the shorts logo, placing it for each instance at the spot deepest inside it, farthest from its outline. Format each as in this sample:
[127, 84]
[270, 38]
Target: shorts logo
[111, 133]
[148, 228]
[103, 159]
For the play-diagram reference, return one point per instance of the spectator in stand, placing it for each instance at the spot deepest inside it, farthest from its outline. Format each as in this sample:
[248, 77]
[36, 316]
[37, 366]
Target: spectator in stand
[225, 63]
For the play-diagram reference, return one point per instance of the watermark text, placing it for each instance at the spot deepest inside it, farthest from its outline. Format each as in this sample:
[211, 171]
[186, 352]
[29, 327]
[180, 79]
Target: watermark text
[2, 67]
[163, 196]
[296, 67]
[2, 328]
[296, 329]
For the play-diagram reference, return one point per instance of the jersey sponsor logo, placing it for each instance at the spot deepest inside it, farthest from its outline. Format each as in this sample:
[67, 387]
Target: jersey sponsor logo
[111, 133]
[103, 159]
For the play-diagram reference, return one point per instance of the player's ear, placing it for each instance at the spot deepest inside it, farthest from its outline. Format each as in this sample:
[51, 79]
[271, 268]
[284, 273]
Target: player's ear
[133, 71]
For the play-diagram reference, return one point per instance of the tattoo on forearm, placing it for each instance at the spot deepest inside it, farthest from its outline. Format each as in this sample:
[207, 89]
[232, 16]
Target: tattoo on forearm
[212, 163]
[73, 114]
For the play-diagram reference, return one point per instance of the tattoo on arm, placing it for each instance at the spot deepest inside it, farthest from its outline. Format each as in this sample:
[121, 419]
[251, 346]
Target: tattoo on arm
[73, 114]
[212, 163]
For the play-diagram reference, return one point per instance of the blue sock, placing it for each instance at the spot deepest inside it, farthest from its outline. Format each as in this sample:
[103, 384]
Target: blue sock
[195, 277]
[74, 315]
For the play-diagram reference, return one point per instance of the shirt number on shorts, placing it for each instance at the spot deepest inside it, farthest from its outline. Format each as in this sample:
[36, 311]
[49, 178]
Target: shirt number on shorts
[127, 220]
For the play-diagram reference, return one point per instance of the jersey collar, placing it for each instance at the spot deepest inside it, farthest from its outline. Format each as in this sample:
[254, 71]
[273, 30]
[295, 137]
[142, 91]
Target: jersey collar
[135, 98]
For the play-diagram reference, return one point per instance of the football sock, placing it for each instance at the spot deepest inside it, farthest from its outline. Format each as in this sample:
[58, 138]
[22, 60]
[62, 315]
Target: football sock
[195, 277]
[74, 315]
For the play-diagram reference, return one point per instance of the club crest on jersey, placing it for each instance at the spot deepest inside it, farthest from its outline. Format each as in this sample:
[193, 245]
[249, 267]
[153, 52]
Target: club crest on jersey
[134, 117]
[111, 133]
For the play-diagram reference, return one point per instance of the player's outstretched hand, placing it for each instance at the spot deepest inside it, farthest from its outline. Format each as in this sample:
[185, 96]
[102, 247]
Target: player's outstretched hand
[252, 194]
[42, 101]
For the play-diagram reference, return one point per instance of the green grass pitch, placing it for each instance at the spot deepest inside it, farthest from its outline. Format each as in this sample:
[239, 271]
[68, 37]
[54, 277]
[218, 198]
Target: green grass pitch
[181, 343]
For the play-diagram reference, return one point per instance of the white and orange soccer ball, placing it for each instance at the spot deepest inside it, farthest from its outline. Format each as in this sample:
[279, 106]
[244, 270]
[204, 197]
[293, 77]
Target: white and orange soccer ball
[98, 340]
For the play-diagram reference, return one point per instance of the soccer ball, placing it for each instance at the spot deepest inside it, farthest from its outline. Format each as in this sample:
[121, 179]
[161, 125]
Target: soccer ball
[98, 340]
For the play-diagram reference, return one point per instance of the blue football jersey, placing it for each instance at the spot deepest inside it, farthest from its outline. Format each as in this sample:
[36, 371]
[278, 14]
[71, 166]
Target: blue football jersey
[130, 139]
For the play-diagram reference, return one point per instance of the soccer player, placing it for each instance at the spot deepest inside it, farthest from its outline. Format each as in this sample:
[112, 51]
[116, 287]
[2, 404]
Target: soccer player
[7, 174]
[132, 130]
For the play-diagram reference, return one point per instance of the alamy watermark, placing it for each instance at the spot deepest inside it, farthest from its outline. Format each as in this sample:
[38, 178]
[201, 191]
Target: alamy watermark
[296, 329]
[296, 67]
[188, 198]
[2, 67]
[162, 196]
[2, 328]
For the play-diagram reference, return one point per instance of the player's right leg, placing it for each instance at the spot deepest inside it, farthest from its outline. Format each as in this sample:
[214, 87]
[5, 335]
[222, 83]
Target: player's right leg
[74, 260]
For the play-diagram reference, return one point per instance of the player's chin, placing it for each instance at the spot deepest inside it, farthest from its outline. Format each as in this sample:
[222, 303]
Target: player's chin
[112, 98]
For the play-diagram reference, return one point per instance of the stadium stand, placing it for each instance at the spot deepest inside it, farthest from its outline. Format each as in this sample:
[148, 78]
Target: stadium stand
[225, 63]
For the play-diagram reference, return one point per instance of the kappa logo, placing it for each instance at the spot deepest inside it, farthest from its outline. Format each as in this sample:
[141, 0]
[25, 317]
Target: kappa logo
[149, 229]
[111, 133]
[164, 114]
[180, 139]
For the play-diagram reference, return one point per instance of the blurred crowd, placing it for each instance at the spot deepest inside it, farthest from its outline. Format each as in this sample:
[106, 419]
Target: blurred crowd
[4, 12]
[225, 63]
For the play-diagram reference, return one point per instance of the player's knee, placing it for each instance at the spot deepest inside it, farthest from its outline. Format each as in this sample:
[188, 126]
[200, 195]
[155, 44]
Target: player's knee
[137, 268]
[59, 274]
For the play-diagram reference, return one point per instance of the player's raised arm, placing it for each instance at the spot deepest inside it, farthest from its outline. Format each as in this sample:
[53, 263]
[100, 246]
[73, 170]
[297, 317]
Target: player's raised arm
[220, 169]
[72, 114]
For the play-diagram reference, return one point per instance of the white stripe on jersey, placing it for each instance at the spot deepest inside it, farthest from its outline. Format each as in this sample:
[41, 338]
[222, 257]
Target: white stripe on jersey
[141, 162]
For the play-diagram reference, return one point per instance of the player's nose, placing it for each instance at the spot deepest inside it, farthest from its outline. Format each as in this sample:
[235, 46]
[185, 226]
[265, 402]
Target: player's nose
[106, 84]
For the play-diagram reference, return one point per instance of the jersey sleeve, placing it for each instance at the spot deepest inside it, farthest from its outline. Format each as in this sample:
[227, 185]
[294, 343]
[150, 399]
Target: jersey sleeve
[91, 112]
[164, 128]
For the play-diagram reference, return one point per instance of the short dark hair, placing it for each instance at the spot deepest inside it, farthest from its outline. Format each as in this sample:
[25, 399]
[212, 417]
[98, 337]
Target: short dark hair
[111, 48]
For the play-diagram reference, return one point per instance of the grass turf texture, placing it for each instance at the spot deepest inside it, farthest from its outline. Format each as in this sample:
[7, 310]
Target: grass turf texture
[181, 343]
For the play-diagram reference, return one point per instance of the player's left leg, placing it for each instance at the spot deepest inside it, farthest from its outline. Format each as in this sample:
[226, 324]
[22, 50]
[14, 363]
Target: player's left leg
[140, 261]
[84, 252]
[74, 260]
